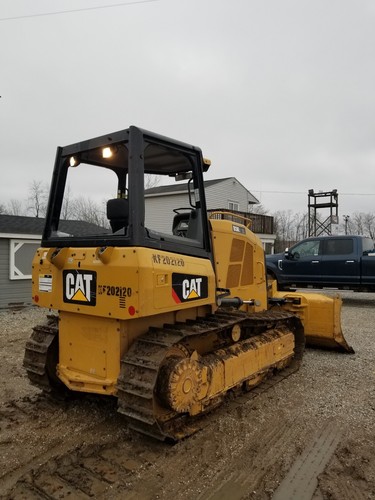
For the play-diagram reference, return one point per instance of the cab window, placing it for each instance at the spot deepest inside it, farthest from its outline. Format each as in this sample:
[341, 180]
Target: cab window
[339, 247]
[306, 249]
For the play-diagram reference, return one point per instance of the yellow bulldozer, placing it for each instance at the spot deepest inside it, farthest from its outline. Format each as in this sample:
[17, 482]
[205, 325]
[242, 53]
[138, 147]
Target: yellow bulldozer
[164, 306]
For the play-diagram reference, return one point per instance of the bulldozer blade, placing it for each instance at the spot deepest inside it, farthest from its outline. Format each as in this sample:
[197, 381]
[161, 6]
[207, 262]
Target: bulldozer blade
[320, 315]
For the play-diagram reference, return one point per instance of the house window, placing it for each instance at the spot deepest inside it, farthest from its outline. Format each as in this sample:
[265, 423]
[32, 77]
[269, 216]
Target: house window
[21, 256]
[233, 205]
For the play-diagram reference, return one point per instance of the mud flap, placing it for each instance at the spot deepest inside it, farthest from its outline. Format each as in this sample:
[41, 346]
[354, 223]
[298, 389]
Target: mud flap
[320, 315]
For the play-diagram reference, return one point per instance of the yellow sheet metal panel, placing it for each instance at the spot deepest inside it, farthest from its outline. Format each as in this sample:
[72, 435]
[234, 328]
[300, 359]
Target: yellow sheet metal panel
[180, 281]
[239, 261]
[123, 283]
[89, 352]
[237, 249]
[77, 280]
[247, 268]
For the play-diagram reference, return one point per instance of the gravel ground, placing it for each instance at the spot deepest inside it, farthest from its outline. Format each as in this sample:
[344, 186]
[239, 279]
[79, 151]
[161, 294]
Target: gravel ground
[54, 449]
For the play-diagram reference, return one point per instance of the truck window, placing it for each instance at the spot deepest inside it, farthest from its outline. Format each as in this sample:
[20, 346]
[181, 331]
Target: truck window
[339, 247]
[306, 248]
[368, 246]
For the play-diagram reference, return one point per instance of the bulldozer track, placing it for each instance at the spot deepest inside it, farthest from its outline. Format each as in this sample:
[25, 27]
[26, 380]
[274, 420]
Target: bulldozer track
[39, 354]
[140, 367]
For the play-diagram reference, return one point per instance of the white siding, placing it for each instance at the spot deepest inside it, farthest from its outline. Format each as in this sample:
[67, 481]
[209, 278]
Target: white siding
[159, 211]
[220, 194]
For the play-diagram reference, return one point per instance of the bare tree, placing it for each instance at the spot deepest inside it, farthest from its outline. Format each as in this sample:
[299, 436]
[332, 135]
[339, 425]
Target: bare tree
[15, 207]
[283, 227]
[301, 226]
[3, 210]
[348, 226]
[258, 209]
[151, 181]
[37, 199]
[88, 210]
[362, 223]
[66, 206]
[370, 225]
[289, 228]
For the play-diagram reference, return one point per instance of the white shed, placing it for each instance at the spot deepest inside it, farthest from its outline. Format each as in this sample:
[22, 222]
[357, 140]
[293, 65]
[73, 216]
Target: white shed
[19, 239]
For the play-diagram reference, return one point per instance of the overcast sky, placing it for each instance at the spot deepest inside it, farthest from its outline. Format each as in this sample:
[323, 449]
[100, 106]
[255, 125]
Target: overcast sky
[279, 94]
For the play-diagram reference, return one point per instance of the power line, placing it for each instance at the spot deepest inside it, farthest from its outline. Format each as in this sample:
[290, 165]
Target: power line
[305, 192]
[356, 194]
[277, 192]
[76, 10]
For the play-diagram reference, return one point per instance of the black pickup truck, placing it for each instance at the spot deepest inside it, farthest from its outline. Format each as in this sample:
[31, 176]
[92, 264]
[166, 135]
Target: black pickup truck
[344, 262]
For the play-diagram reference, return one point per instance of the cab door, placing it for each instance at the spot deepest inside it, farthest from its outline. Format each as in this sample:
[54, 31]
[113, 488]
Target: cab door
[340, 261]
[303, 261]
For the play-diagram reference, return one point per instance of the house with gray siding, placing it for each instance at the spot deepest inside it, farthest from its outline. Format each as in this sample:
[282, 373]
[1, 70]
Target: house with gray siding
[227, 194]
[19, 239]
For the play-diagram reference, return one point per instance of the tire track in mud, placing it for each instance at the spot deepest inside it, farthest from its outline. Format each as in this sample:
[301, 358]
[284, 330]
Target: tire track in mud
[302, 479]
[60, 458]
[353, 466]
[98, 457]
[89, 472]
[243, 456]
[346, 491]
[95, 471]
[251, 464]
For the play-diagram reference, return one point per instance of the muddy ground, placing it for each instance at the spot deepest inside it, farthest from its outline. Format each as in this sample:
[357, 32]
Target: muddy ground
[310, 436]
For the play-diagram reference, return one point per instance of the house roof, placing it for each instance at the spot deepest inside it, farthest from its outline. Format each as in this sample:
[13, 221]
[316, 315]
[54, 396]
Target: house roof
[17, 224]
[182, 188]
[177, 188]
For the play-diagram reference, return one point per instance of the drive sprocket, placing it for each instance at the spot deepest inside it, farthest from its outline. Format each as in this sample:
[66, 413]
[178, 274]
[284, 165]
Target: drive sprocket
[179, 383]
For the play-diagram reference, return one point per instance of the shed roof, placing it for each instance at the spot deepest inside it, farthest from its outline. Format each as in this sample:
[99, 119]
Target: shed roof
[17, 224]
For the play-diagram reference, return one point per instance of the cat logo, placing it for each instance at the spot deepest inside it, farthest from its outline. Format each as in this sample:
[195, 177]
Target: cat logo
[80, 287]
[186, 287]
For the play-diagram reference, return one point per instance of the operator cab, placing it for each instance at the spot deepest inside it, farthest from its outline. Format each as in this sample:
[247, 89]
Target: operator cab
[129, 186]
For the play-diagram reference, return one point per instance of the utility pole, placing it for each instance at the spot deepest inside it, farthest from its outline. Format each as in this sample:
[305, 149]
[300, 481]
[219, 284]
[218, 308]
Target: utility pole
[346, 220]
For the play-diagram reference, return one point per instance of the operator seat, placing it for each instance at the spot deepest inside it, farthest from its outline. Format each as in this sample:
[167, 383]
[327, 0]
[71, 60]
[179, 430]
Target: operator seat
[188, 224]
[195, 228]
[180, 223]
[118, 213]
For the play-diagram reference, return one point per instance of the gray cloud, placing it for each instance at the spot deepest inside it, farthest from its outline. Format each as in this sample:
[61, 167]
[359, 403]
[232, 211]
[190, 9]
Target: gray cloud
[278, 93]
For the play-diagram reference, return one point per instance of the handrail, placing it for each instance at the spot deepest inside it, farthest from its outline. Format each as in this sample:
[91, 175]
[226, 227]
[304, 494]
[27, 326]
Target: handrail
[226, 215]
